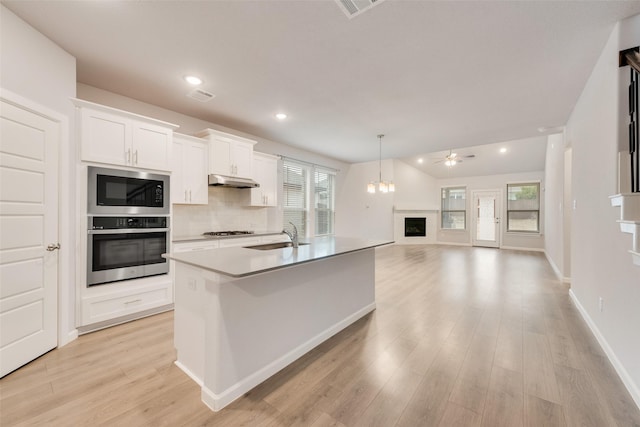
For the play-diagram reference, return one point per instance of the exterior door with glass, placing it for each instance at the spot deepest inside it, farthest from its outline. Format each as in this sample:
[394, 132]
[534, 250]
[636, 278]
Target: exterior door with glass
[486, 218]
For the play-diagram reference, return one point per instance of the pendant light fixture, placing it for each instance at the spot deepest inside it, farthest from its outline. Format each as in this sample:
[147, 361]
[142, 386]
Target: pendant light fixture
[383, 186]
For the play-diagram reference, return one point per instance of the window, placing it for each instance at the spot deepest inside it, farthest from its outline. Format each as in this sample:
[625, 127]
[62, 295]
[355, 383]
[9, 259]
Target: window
[324, 189]
[295, 202]
[523, 207]
[454, 208]
[298, 187]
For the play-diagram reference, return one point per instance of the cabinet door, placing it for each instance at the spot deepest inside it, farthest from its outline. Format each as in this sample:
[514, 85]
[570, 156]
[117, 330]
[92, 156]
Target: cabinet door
[242, 159]
[195, 167]
[259, 172]
[105, 138]
[178, 190]
[151, 146]
[220, 156]
[265, 173]
[270, 179]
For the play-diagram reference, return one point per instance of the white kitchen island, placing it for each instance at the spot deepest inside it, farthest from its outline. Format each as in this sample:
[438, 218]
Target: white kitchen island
[243, 314]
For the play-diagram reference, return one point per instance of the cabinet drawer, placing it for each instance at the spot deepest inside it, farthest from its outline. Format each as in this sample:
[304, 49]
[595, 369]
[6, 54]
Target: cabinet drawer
[105, 307]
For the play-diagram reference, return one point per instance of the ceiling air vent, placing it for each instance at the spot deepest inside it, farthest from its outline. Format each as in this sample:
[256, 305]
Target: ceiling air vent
[201, 95]
[353, 8]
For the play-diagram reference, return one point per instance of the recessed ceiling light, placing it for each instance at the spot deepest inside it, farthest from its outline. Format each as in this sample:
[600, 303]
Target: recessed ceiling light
[193, 80]
[420, 160]
[281, 116]
[503, 150]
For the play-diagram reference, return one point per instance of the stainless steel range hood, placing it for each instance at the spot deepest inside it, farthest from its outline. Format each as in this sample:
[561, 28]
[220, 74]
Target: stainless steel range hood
[231, 181]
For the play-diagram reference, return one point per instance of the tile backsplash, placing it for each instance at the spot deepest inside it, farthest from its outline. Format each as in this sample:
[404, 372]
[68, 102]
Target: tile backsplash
[227, 210]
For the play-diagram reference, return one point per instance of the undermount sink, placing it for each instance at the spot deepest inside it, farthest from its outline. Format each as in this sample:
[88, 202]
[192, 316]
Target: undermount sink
[277, 245]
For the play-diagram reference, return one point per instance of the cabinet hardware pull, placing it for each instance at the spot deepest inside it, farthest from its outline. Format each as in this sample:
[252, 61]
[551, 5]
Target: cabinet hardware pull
[132, 301]
[135, 157]
[189, 195]
[128, 155]
[53, 246]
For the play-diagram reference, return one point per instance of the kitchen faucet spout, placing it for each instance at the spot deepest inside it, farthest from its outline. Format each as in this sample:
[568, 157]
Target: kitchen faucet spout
[292, 235]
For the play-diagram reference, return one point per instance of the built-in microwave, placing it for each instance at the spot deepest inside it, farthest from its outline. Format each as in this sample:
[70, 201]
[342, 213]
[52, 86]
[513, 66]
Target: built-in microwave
[121, 192]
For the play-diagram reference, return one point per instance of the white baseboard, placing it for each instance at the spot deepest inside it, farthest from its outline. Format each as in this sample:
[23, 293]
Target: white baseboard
[628, 382]
[451, 243]
[218, 401]
[554, 266]
[71, 336]
[190, 374]
[520, 248]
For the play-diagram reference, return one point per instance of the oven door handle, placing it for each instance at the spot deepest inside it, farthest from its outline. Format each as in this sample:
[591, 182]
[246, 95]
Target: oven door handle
[128, 230]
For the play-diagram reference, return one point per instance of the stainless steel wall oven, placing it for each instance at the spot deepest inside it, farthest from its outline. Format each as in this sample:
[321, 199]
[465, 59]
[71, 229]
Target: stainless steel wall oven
[128, 225]
[121, 248]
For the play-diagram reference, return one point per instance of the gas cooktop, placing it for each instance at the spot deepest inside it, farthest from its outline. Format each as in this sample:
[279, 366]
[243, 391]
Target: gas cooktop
[226, 233]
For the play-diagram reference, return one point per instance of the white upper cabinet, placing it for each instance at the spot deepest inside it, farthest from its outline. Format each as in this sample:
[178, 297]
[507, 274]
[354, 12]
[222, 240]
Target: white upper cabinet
[265, 173]
[116, 137]
[229, 154]
[190, 162]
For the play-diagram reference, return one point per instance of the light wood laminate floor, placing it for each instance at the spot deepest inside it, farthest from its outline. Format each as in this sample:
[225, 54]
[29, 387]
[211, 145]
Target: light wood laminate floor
[461, 337]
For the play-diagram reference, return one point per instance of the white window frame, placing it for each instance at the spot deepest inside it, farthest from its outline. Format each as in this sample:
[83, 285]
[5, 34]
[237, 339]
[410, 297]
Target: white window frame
[310, 197]
[465, 210]
[539, 210]
[331, 210]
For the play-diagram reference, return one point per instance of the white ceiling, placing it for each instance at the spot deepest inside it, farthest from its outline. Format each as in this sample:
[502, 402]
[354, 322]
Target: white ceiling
[523, 155]
[430, 75]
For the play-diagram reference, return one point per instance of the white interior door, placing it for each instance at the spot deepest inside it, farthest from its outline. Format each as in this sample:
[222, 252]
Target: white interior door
[29, 235]
[486, 218]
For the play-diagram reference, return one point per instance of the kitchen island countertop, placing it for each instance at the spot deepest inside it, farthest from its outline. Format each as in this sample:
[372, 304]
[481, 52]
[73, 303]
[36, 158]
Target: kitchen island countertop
[242, 262]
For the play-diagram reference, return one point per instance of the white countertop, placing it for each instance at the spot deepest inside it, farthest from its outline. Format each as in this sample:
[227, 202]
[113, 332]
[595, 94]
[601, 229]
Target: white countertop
[241, 262]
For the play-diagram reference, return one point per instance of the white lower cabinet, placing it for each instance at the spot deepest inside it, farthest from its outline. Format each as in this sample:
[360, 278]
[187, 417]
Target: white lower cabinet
[109, 301]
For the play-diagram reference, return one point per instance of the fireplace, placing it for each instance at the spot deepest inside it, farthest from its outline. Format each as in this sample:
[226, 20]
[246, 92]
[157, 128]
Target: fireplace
[415, 227]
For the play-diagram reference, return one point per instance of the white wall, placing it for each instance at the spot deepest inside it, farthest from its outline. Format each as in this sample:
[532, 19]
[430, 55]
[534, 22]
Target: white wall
[554, 203]
[414, 189]
[495, 182]
[601, 266]
[363, 214]
[35, 68]
[372, 215]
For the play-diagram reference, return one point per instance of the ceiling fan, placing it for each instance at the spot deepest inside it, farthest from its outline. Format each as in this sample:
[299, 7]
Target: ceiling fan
[453, 159]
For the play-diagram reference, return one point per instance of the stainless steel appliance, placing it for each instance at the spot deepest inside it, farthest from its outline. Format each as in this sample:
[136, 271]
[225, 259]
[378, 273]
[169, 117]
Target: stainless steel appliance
[216, 180]
[126, 247]
[226, 233]
[120, 192]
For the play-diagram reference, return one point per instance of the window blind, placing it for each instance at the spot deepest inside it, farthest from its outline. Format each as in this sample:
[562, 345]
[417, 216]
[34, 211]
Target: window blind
[324, 191]
[295, 186]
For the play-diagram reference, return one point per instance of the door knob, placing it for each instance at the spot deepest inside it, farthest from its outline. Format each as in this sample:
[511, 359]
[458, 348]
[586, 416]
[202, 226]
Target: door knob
[53, 246]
